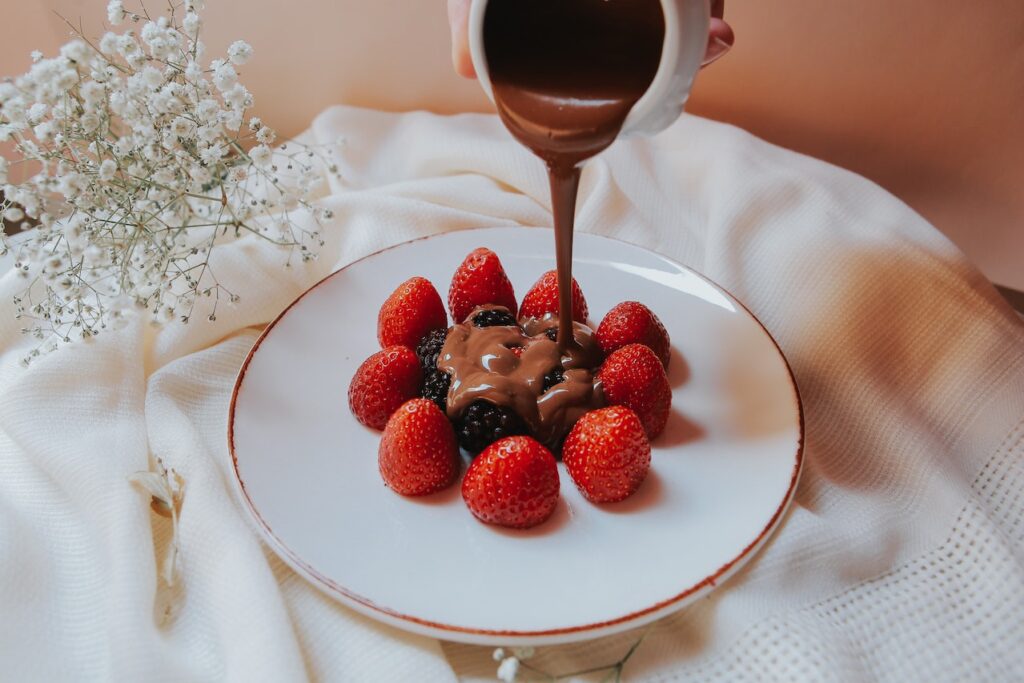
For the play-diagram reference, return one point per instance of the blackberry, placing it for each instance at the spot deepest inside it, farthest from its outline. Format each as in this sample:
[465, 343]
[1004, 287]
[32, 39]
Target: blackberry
[493, 317]
[435, 382]
[551, 333]
[435, 387]
[556, 376]
[429, 349]
[483, 423]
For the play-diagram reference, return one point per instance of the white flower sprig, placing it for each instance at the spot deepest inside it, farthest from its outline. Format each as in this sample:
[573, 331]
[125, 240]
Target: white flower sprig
[141, 161]
[167, 492]
[510, 663]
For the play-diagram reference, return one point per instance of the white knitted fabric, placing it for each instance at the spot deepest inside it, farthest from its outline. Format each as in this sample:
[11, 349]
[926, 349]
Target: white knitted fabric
[902, 558]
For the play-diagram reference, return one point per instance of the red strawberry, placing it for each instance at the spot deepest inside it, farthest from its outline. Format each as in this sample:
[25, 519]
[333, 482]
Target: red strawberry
[543, 298]
[418, 454]
[384, 381]
[607, 454]
[633, 323]
[413, 309]
[480, 280]
[634, 377]
[513, 483]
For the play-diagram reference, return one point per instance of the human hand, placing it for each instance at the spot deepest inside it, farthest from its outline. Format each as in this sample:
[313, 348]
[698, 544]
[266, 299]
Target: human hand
[720, 35]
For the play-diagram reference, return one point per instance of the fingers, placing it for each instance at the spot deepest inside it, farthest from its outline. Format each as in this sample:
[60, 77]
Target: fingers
[458, 20]
[720, 40]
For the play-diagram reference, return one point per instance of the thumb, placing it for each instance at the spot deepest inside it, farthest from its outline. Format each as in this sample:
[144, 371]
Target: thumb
[458, 21]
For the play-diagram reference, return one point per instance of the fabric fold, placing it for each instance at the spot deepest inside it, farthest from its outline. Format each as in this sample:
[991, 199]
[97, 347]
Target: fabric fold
[901, 559]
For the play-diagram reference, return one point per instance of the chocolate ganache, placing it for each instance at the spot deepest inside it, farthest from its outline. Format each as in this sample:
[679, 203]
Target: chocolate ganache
[506, 365]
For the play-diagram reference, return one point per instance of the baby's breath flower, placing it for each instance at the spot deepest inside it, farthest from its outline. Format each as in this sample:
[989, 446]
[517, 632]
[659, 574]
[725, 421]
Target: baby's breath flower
[44, 131]
[108, 43]
[191, 24]
[127, 45]
[224, 75]
[152, 77]
[92, 93]
[193, 72]
[201, 175]
[150, 31]
[261, 155]
[107, 170]
[237, 97]
[139, 175]
[240, 52]
[75, 51]
[36, 56]
[232, 121]
[115, 12]
[199, 52]
[212, 154]
[37, 111]
[208, 110]
[181, 126]
[210, 133]
[266, 136]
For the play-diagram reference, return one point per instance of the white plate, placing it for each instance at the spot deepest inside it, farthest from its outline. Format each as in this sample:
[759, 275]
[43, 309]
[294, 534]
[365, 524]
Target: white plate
[722, 474]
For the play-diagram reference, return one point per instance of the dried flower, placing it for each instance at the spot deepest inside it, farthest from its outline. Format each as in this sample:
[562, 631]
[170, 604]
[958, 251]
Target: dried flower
[509, 665]
[167, 493]
[508, 669]
[144, 171]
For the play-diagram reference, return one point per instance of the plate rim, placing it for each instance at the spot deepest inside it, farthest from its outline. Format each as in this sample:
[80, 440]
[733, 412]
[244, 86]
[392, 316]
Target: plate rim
[487, 636]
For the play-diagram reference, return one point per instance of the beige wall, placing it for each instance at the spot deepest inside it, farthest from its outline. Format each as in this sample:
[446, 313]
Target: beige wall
[925, 97]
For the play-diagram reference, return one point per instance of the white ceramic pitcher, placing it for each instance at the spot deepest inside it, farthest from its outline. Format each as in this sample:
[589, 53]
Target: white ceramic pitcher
[686, 38]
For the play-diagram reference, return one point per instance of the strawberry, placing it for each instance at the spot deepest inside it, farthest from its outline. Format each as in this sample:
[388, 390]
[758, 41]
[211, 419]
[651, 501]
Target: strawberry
[479, 280]
[607, 454]
[512, 483]
[384, 381]
[413, 309]
[543, 298]
[633, 323]
[418, 454]
[634, 377]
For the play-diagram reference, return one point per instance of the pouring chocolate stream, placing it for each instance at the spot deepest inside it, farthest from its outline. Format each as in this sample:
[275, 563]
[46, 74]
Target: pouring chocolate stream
[565, 74]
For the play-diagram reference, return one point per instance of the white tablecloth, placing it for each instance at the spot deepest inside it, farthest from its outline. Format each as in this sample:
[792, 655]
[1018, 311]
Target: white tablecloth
[902, 558]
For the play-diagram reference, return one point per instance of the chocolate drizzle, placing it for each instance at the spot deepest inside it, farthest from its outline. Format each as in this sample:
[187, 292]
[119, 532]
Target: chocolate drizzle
[565, 75]
[487, 363]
